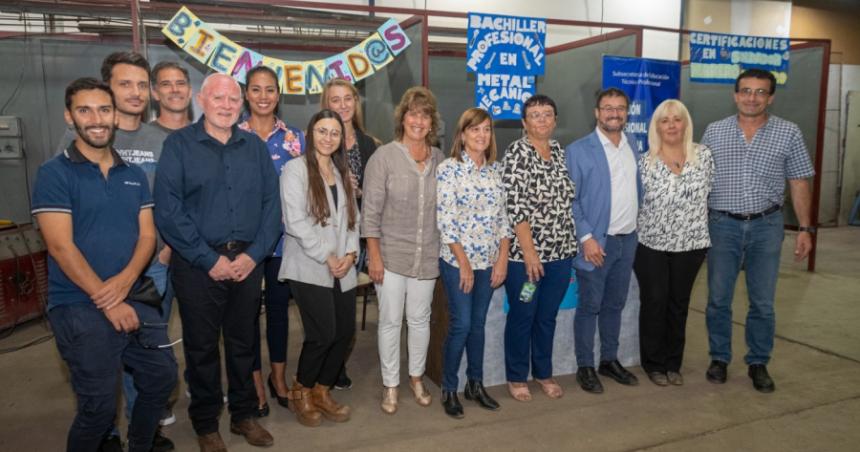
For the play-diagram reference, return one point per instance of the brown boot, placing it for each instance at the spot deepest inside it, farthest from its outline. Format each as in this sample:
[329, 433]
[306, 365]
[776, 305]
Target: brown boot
[330, 409]
[255, 434]
[302, 404]
[211, 442]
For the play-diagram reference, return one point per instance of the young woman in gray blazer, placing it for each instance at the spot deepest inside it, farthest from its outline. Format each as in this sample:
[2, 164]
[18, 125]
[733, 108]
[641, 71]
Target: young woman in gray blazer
[321, 222]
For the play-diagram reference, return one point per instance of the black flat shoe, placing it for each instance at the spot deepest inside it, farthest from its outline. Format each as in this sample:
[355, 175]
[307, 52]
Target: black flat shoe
[282, 401]
[617, 372]
[452, 404]
[717, 372]
[343, 381]
[263, 411]
[588, 381]
[475, 392]
[760, 378]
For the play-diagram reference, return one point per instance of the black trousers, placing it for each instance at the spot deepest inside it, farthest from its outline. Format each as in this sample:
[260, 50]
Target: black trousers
[665, 282]
[328, 318]
[210, 309]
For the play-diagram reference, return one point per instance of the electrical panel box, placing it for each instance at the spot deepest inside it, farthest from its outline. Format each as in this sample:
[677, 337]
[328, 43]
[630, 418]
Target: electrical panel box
[11, 138]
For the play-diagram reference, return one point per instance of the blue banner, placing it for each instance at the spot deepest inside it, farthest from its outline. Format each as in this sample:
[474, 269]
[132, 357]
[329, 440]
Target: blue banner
[647, 83]
[503, 95]
[505, 44]
[720, 58]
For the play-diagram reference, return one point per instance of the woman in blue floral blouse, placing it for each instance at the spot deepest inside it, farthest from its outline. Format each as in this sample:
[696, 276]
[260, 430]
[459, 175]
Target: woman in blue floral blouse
[262, 97]
[473, 224]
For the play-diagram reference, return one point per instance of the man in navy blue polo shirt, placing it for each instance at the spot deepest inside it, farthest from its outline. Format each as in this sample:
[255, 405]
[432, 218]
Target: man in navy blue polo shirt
[218, 207]
[95, 213]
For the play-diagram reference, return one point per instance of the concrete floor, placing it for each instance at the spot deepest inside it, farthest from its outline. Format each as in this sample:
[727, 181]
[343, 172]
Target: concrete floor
[816, 366]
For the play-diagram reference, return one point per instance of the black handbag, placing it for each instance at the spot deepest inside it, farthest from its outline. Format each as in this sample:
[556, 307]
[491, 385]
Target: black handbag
[144, 291]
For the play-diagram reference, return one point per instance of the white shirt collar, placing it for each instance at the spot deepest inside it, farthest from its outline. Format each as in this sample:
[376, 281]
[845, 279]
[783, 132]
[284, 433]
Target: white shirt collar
[605, 141]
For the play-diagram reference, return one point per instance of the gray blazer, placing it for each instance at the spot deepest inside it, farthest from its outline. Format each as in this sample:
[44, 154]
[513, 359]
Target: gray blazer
[307, 244]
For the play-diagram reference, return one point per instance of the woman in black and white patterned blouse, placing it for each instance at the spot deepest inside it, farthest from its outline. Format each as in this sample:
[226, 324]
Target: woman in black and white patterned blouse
[673, 237]
[539, 197]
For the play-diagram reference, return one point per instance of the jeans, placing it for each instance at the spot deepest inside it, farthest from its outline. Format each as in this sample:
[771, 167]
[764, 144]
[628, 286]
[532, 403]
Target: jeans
[602, 296]
[754, 245]
[666, 279]
[276, 298]
[95, 353]
[530, 327]
[467, 314]
[159, 274]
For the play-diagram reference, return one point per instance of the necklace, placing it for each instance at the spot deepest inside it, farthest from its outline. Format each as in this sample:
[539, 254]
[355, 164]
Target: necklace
[423, 159]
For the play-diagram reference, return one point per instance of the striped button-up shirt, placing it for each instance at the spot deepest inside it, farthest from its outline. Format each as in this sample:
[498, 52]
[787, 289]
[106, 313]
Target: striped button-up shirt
[750, 176]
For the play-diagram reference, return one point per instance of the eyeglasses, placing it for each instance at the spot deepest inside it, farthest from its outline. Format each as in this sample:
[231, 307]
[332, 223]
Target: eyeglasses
[610, 109]
[535, 115]
[760, 92]
[135, 335]
[323, 132]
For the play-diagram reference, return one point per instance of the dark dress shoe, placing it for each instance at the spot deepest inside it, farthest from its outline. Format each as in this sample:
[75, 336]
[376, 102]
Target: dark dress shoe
[211, 442]
[111, 443]
[761, 380]
[282, 401]
[588, 381]
[615, 371]
[475, 391]
[254, 434]
[717, 372]
[452, 404]
[161, 443]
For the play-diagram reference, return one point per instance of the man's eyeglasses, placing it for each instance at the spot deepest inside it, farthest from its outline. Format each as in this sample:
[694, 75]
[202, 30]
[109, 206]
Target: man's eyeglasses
[610, 109]
[760, 92]
[135, 335]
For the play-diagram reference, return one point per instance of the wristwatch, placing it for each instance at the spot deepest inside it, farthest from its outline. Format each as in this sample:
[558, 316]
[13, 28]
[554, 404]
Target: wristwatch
[353, 254]
[809, 229]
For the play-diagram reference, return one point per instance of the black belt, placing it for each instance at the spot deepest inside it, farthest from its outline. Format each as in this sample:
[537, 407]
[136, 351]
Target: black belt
[752, 216]
[232, 246]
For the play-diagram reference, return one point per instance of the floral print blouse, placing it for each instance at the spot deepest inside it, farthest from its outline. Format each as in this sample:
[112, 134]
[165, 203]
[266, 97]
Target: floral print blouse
[541, 193]
[284, 144]
[470, 210]
[674, 212]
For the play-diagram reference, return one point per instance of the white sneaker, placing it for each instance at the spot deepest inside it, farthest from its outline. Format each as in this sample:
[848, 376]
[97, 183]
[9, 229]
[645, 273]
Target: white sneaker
[170, 419]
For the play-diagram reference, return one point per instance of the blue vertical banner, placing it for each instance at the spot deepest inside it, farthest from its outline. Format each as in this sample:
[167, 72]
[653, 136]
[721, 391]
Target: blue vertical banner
[647, 82]
[720, 58]
[505, 53]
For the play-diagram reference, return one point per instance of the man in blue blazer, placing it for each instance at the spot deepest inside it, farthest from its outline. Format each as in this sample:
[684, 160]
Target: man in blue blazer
[603, 166]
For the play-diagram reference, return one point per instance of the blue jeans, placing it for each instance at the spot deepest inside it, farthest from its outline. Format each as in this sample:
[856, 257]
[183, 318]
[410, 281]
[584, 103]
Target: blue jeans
[754, 245]
[467, 314]
[158, 272]
[95, 353]
[602, 296]
[530, 327]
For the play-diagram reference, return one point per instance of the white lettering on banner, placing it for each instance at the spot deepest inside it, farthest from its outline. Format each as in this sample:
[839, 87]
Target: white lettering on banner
[752, 42]
[528, 42]
[520, 24]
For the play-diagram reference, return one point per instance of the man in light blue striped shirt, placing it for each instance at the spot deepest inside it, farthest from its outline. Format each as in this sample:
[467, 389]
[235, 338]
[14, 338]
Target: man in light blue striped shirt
[754, 153]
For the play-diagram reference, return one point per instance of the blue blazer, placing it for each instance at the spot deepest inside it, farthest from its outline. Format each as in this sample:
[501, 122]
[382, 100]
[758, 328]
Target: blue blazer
[589, 170]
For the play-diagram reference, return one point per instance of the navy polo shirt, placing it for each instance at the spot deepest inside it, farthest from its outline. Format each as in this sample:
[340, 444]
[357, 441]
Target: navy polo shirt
[105, 215]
